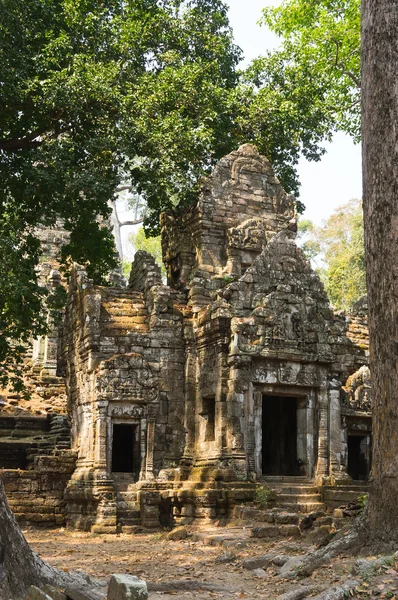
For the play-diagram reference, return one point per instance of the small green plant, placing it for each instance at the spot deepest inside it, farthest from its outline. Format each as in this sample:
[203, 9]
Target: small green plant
[229, 278]
[264, 495]
[362, 501]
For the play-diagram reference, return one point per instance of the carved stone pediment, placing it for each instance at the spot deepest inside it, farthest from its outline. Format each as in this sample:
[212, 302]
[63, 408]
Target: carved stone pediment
[250, 235]
[126, 378]
[358, 390]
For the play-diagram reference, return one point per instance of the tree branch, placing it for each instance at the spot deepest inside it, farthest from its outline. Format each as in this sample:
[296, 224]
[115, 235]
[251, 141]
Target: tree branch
[24, 142]
[136, 222]
[122, 188]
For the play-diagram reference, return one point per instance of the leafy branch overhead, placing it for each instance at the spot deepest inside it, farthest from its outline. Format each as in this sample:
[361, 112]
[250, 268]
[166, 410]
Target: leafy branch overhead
[144, 94]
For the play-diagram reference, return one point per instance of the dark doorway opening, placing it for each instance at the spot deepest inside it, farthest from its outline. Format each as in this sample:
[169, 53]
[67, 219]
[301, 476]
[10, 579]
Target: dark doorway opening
[279, 429]
[125, 449]
[358, 456]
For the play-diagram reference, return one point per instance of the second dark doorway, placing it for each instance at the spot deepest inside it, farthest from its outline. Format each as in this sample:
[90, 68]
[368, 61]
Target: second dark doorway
[279, 432]
[126, 449]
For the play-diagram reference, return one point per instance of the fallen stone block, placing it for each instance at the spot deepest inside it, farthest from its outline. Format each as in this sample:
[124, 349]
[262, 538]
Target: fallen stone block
[257, 562]
[259, 573]
[265, 532]
[289, 530]
[127, 587]
[285, 518]
[35, 593]
[177, 534]
[227, 557]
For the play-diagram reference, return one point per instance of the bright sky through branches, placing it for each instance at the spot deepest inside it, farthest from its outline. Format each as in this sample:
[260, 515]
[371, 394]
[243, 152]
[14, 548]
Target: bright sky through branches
[337, 177]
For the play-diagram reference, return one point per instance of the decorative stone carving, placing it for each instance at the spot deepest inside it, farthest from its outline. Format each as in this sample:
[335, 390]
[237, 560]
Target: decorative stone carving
[134, 411]
[127, 377]
[358, 389]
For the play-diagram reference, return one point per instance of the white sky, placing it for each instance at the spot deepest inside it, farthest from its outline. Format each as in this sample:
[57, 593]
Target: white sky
[335, 179]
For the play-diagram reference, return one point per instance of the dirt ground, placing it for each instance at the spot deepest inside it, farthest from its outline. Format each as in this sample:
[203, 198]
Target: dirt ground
[155, 559]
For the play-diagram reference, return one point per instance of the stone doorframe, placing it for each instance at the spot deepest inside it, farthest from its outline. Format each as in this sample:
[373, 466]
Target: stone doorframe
[306, 401]
[144, 417]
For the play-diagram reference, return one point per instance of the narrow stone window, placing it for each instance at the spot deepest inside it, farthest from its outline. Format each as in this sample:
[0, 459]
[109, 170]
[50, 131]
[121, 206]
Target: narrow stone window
[209, 414]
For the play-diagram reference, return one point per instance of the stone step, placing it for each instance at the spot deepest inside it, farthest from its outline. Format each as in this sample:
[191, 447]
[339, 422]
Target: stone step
[301, 507]
[127, 522]
[280, 479]
[297, 498]
[297, 489]
[337, 497]
[121, 294]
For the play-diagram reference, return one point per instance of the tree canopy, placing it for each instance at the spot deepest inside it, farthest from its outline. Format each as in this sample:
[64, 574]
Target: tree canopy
[338, 248]
[146, 92]
[91, 93]
[316, 71]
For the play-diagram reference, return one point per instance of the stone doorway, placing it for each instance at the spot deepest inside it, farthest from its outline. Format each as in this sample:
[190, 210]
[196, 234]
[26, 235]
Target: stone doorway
[279, 436]
[359, 455]
[126, 449]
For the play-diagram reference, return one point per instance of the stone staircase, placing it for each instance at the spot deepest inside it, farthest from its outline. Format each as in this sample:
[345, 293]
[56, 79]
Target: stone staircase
[296, 494]
[127, 504]
[343, 494]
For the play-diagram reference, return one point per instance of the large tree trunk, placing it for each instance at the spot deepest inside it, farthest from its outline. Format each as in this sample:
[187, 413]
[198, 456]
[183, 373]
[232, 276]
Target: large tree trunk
[19, 566]
[380, 176]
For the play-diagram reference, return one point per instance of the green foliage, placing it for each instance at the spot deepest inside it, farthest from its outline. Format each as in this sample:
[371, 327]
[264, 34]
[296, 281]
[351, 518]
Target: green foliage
[339, 243]
[152, 245]
[264, 496]
[309, 88]
[92, 91]
[306, 238]
[363, 501]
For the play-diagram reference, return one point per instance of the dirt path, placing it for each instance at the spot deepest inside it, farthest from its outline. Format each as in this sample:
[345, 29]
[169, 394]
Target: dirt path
[155, 559]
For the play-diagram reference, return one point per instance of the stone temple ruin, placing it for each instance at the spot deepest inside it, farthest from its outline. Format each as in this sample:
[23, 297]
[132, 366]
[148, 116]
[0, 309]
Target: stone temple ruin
[182, 397]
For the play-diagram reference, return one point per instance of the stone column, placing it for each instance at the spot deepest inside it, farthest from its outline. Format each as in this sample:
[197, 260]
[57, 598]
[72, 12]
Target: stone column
[252, 431]
[323, 433]
[101, 439]
[51, 339]
[335, 431]
[150, 441]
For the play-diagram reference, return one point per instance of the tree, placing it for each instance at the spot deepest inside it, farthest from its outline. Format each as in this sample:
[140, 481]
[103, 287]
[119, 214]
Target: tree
[314, 78]
[95, 95]
[91, 93]
[152, 245]
[380, 176]
[339, 244]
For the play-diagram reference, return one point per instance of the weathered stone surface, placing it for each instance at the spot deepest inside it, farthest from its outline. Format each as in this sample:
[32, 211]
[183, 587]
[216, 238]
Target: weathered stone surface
[54, 593]
[179, 394]
[258, 562]
[35, 593]
[268, 531]
[127, 587]
[259, 573]
[180, 533]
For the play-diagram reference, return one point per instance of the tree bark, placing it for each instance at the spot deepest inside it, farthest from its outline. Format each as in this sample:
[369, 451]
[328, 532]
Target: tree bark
[380, 180]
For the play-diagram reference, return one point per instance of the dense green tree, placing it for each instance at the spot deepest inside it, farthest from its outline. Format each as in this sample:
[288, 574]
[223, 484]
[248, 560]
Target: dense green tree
[145, 93]
[315, 74]
[91, 94]
[338, 249]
